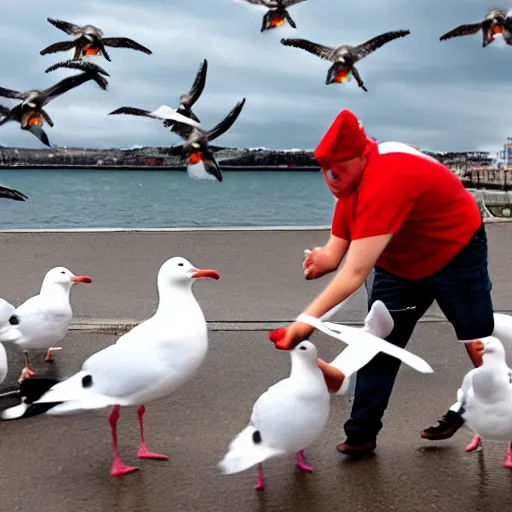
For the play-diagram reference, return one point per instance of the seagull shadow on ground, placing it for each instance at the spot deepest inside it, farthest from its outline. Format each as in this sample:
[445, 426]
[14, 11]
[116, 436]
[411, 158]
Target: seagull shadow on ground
[15, 362]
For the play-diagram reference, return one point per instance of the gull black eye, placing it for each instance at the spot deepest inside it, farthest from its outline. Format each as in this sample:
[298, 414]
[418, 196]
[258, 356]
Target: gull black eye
[180, 264]
[14, 320]
[303, 348]
[63, 272]
[87, 381]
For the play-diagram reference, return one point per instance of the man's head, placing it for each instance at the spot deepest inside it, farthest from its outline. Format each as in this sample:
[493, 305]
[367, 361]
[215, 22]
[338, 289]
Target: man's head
[342, 154]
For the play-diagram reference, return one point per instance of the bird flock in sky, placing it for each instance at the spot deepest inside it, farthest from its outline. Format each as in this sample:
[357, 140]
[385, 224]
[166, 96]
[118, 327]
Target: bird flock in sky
[88, 42]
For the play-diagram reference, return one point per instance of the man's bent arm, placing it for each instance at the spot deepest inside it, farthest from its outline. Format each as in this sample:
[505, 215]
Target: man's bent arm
[361, 257]
[337, 247]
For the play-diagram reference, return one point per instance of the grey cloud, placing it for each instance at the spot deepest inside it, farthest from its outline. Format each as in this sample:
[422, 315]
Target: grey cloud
[440, 96]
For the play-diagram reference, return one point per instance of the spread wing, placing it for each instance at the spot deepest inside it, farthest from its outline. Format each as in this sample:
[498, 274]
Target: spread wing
[462, 30]
[131, 111]
[13, 114]
[65, 26]
[264, 3]
[8, 93]
[226, 123]
[58, 47]
[11, 193]
[192, 96]
[162, 113]
[78, 64]
[71, 82]
[288, 3]
[364, 49]
[324, 52]
[124, 42]
[4, 111]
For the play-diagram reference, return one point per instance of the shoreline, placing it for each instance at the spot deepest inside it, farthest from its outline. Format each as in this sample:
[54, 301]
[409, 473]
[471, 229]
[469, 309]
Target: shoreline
[227, 168]
[194, 229]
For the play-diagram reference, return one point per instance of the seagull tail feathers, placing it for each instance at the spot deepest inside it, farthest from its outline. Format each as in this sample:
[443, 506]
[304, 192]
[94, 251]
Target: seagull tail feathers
[246, 450]
[73, 395]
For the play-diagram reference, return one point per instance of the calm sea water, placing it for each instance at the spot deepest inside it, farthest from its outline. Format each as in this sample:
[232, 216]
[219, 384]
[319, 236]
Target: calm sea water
[60, 199]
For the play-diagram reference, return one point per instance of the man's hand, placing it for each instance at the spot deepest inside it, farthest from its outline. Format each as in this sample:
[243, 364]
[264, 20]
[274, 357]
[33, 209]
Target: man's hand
[318, 262]
[288, 337]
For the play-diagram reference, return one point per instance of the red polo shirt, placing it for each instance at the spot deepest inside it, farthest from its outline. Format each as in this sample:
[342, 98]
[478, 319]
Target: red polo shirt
[419, 200]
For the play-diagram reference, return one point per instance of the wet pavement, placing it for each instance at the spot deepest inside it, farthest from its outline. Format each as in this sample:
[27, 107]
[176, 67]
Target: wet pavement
[61, 464]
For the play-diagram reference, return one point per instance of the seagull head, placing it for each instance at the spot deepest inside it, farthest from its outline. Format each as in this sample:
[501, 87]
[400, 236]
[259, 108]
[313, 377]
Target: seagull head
[64, 277]
[492, 345]
[305, 350]
[179, 271]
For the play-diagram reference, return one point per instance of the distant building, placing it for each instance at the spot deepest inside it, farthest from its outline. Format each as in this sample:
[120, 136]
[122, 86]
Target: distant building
[505, 155]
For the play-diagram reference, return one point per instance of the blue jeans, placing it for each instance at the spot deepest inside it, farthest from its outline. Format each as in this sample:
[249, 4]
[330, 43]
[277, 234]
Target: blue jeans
[462, 289]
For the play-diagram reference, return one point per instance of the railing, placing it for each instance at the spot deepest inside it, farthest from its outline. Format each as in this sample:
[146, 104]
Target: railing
[486, 177]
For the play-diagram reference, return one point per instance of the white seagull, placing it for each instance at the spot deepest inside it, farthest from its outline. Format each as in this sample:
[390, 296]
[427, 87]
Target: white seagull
[484, 400]
[147, 363]
[287, 418]
[7, 333]
[44, 319]
[292, 414]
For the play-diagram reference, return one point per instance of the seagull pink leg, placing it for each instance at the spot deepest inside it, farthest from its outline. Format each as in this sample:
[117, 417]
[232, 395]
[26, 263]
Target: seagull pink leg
[475, 443]
[118, 468]
[144, 453]
[49, 356]
[27, 371]
[300, 462]
[260, 483]
[508, 457]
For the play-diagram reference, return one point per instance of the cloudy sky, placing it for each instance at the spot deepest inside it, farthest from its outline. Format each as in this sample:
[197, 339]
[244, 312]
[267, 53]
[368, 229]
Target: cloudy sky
[446, 96]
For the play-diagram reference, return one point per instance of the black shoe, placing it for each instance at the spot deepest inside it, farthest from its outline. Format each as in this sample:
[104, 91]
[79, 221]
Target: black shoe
[445, 428]
[353, 447]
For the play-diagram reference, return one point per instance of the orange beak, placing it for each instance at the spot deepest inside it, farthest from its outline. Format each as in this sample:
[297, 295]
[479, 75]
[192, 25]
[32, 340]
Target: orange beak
[205, 273]
[81, 279]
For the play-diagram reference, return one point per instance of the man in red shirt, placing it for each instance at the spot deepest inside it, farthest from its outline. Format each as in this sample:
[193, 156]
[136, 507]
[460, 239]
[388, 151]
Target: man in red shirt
[409, 217]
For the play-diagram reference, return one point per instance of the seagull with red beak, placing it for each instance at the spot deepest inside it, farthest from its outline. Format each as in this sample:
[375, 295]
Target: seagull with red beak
[44, 319]
[148, 363]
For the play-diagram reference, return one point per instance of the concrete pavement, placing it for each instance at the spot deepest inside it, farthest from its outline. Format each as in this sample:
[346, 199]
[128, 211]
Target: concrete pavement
[62, 464]
[261, 272]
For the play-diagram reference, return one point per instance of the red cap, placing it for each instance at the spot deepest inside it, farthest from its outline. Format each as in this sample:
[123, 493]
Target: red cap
[345, 139]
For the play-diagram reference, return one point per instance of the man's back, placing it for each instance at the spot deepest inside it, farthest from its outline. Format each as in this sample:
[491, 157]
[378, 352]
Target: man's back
[421, 201]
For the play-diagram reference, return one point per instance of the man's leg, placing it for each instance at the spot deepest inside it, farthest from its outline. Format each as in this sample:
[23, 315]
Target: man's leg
[375, 381]
[463, 292]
